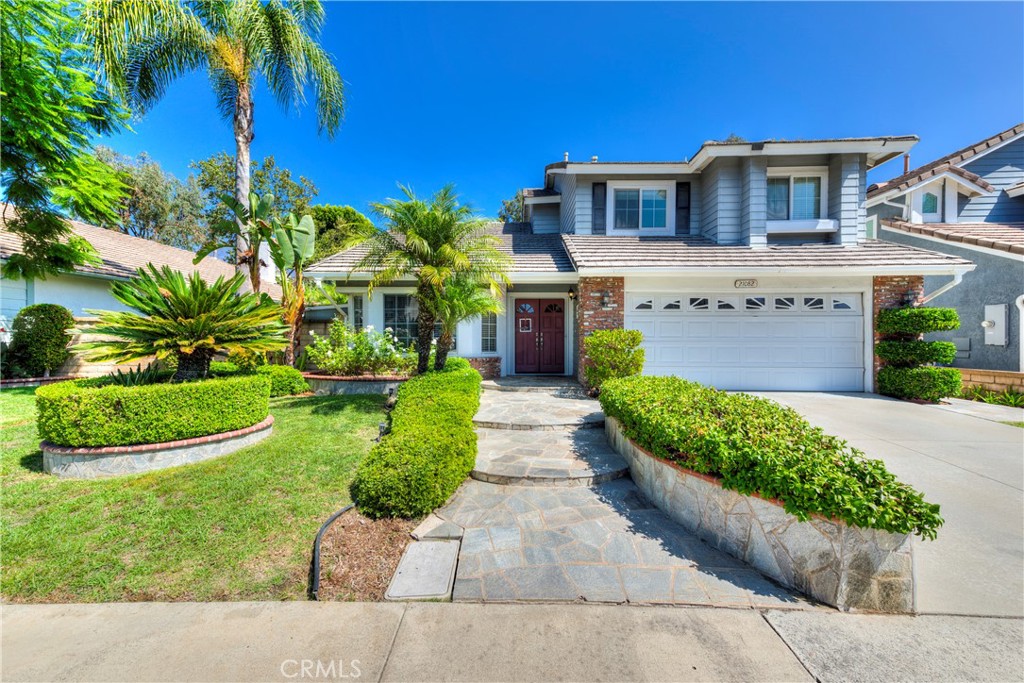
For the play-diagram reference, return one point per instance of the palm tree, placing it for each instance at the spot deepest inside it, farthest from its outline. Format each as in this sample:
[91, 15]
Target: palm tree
[462, 299]
[142, 46]
[188, 320]
[433, 241]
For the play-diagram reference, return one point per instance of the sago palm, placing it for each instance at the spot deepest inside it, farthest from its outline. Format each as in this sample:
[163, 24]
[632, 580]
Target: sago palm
[142, 46]
[462, 299]
[433, 241]
[187, 319]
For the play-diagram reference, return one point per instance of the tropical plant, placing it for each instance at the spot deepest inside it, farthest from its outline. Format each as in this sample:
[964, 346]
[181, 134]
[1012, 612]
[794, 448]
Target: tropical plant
[138, 376]
[291, 248]
[186, 319]
[251, 226]
[144, 45]
[50, 108]
[461, 299]
[39, 339]
[338, 228]
[434, 241]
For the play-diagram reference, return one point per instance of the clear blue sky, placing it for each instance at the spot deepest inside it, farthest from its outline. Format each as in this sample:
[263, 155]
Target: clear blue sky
[486, 94]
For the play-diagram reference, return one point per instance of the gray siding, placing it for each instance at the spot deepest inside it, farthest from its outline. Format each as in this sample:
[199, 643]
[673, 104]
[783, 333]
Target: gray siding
[996, 280]
[566, 185]
[884, 211]
[846, 196]
[753, 201]
[584, 200]
[544, 218]
[720, 205]
[1001, 168]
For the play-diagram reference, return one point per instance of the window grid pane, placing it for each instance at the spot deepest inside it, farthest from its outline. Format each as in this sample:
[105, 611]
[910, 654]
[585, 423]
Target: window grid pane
[778, 199]
[357, 311]
[400, 312]
[930, 203]
[654, 208]
[489, 333]
[627, 209]
[806, 198]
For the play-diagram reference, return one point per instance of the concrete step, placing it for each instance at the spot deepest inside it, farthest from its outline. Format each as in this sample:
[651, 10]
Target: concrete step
[564, 387]
[580, 457]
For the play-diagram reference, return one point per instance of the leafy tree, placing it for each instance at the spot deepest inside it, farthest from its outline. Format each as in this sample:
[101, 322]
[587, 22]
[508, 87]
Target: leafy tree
[513, 210]
[338, 228]
[462, 299]
[215, 177]
[292, 248]
[158, 206]
[187, 319]
[144, 45]
[434, 241]
[50, 107]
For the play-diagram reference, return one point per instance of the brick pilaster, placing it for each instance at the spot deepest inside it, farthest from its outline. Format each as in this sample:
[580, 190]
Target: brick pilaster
[600, 305]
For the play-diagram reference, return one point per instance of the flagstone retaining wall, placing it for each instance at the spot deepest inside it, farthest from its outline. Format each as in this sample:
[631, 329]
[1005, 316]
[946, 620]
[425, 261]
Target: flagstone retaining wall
[329, 385]
[843, 566]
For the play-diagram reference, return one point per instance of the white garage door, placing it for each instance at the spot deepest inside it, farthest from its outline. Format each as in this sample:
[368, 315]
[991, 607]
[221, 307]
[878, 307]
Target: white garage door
[782, 342]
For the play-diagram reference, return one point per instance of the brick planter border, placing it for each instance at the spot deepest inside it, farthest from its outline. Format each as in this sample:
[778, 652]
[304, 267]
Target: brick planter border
[109, 461]
[840, 565]
[993, 380]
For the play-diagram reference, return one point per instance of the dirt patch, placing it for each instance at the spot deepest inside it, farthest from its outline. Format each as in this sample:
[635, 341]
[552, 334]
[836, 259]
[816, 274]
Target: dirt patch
[359, 555]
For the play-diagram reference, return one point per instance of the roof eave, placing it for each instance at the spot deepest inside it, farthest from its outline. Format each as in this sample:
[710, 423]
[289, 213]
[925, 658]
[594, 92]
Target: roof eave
[807, 271]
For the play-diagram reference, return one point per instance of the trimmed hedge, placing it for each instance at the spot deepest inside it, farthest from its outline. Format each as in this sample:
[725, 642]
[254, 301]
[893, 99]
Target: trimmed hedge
[916, 352]
[914, 321]
[284, 380]
[39, 339]
[613, 353]
[430, 449]
[928, 383]
[755, 445]
[93, 412]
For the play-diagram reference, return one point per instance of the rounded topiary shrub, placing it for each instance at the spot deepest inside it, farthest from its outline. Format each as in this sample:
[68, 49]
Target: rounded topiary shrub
[95, 412]
[284, 380]
[927, 383]
[910, 353]
[915, 321]
[613, 354]
[39, 339]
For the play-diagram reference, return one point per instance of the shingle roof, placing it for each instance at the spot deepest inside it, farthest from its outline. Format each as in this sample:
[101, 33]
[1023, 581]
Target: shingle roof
[1002, 236]
[122, 255]
[948, 162]
[530, 253]
[626, 253]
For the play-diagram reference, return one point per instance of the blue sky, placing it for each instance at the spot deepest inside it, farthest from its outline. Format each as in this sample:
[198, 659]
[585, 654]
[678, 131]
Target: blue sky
[486, 94]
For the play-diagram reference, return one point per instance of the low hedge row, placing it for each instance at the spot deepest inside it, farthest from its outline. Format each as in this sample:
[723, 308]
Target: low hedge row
[284, 379]
[914, 321]
[430, 449]
[916, 352]
[93, 412]
[927, 383]
[755, 445]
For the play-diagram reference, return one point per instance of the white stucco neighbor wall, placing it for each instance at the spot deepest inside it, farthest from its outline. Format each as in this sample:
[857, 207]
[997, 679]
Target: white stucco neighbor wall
[76, 293]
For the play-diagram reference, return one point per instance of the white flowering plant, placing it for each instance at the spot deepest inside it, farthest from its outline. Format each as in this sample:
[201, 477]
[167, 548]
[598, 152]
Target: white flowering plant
[348, 352]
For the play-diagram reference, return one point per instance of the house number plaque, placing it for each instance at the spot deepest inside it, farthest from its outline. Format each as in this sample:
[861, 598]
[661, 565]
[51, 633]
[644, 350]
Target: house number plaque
[745, 284]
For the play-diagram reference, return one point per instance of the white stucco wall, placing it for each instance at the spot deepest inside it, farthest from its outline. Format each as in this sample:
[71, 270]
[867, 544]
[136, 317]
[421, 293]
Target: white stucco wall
[74, 292]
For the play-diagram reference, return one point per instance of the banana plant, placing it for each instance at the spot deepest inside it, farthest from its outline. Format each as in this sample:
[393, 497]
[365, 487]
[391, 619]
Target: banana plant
[253, 226]
[292, 246]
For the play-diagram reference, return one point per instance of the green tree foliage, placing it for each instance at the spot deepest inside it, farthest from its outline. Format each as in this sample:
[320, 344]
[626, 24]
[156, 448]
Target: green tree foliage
[144, 45]
[39, 340]
[461, 299]
[513, 210]
[186, 319]
[433, 241]
[158, 206]
[50, 107]
[338, 228]
[291, 248]
[250, 227]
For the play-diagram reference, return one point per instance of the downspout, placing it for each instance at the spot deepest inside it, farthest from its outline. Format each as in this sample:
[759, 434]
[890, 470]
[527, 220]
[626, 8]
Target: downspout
[958, 277]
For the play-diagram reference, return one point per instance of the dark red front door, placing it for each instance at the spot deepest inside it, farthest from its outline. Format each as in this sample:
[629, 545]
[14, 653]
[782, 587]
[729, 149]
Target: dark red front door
[540, 336]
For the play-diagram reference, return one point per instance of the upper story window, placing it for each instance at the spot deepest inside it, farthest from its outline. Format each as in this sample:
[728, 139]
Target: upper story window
[641, 207]
[931, 207]
[795, 197]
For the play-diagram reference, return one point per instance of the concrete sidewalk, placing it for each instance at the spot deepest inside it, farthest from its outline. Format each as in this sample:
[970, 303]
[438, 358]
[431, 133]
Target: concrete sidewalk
[474, 642]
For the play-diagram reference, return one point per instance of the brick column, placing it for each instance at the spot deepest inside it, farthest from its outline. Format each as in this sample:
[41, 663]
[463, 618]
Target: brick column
[893, 291]
[593, 314]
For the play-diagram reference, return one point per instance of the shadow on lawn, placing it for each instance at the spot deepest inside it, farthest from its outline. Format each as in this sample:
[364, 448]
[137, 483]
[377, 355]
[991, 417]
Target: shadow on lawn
[33, 462]
[331, 405]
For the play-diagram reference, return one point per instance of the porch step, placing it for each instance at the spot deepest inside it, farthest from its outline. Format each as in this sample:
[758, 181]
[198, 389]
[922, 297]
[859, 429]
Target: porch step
[581, 457]
[565, 387]
[535, 411]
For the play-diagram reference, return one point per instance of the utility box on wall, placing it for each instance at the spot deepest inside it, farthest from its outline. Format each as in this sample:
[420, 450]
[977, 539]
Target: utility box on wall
[995, 325]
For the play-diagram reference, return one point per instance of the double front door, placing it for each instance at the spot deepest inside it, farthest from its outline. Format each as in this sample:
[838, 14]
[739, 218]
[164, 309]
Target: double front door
[540, 336]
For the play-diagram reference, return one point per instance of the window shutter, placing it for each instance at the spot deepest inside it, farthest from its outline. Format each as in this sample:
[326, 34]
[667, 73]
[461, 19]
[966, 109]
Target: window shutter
[599, 200]
[682, 208]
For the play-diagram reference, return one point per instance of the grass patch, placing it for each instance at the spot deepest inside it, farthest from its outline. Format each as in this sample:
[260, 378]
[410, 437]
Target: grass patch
[1015, 424]
[240, 527]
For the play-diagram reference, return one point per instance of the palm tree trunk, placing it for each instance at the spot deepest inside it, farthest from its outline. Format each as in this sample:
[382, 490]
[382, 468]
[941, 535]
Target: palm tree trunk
[424, 330]
[243, 140]
[195, 365]
[444, 345]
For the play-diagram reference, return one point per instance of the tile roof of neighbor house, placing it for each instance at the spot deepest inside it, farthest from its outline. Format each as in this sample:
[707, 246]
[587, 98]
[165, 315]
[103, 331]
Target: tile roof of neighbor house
[530, 253]
[539, 192]
[627, 253]
[948, 162]
[1001, 236]
[122, 255]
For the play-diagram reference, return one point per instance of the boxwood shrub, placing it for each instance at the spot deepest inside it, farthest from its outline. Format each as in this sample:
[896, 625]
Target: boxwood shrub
[430, 449]
[915, 321]
[94, 412]
[613, 353]
[909, 353]
[928, 383]
[755, 445]
[284, 380]
[39, 340]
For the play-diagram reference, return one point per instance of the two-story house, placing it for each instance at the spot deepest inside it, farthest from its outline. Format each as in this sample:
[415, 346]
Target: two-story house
[746, 266]
[969, 204]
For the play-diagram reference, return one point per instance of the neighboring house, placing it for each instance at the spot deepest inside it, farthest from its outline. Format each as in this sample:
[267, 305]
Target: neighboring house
[746, 267]
[968, 204]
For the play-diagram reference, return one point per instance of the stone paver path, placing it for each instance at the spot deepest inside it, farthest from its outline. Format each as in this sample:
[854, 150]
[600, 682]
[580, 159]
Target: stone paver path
[562, 524]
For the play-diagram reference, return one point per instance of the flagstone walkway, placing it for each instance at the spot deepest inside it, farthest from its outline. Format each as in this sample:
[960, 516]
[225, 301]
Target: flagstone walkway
[565, 523]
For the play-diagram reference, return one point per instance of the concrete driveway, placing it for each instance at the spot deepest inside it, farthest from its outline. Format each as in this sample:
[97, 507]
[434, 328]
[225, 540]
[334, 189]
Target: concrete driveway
[972, 467]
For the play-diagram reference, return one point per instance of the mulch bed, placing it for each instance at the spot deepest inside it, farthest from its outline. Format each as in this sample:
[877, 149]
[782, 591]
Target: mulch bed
[359, 555]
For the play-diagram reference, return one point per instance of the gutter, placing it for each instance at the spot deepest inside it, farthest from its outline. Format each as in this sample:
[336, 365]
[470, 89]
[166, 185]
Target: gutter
[958, 277]
[806, 271]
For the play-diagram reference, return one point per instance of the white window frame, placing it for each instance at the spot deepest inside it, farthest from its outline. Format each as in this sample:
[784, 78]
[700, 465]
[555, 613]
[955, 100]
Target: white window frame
[821, 223]
[496, 334]
[670, 206]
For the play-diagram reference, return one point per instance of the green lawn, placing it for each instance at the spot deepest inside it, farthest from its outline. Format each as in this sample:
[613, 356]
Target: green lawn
[239, 527]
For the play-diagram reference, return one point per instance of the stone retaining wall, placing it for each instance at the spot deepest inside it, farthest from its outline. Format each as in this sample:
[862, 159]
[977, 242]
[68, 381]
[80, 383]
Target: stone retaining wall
[328, 385]
[843, 566]
[111, 461]
[489, 367]
[993, 380]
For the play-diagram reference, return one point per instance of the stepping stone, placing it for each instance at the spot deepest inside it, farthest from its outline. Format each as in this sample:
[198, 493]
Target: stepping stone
[580, 457]
[425, 572]
[433, 528]
[537, 412]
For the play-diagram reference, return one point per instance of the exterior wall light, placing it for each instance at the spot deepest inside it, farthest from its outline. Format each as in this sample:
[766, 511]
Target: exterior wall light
[572, 294]
[606, 298]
